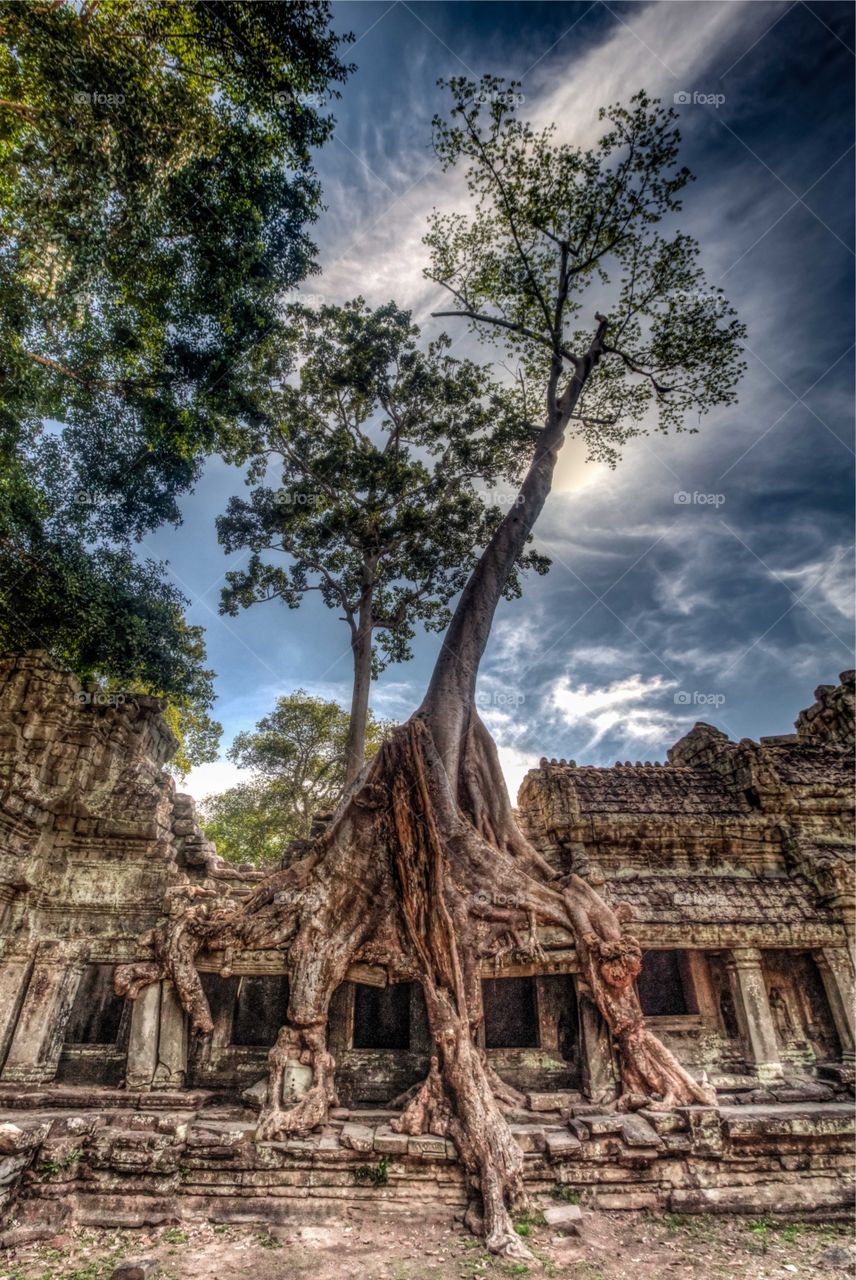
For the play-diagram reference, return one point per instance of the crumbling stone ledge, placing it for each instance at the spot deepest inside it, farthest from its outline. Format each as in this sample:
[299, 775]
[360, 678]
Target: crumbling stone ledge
[147, 1165]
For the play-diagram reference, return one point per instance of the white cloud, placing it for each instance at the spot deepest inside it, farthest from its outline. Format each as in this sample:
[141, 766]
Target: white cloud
[825, 583]
[515, 765]
[373, 232]
[620, 705]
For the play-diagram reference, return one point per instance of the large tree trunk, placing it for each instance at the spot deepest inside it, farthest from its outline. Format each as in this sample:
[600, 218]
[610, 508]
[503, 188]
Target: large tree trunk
[424, 869]
[361, 649]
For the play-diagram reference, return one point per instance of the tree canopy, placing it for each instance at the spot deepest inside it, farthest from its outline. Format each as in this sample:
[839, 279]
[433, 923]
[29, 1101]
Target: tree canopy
[370, 455]
[559, 234]
[297, 756]
[157, 186]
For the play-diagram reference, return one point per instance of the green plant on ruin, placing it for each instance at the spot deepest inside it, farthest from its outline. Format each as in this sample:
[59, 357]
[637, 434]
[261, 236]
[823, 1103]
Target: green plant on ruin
[376, 1174]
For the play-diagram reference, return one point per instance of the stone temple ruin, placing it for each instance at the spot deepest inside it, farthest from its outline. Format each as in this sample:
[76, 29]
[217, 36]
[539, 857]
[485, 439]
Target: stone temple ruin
[736, 857]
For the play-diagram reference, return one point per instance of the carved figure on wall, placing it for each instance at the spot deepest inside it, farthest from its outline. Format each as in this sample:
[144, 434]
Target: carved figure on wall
[781, 1015]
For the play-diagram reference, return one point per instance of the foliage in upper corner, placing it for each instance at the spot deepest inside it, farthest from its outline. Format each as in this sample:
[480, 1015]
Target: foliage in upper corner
[156, 184]
[559, 234]
[111, 620]
[156, 180]
[296, 756]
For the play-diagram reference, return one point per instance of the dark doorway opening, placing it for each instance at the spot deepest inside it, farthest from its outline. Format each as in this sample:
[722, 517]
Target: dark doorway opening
[260, 1008]
[96, 1014]
[665, 986]
[510, 1013]
[382, 1016]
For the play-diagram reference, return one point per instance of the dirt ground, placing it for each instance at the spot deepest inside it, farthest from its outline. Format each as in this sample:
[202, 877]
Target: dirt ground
[612, 1246]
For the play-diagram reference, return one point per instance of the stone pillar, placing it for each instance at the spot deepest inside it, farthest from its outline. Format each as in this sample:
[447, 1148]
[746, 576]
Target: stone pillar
[838, 981]
[600, 1078]
[752, 1008]
[143, 1038]
[37, 1041]
[171, 1070]
[14, 976]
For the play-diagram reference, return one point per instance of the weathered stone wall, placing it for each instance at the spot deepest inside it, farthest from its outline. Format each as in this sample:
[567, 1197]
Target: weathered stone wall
[738, 856]
[741, 856]
[93, 840]
[148, 1163]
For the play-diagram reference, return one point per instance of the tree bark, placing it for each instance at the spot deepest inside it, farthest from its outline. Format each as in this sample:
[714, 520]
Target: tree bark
[451, 691]
[361, 650]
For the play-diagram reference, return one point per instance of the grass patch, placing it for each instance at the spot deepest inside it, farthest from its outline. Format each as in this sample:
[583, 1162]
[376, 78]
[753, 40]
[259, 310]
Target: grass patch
[50, 1168]
[173, 1235]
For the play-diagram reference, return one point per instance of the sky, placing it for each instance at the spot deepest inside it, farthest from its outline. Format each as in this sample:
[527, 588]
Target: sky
[709, 576]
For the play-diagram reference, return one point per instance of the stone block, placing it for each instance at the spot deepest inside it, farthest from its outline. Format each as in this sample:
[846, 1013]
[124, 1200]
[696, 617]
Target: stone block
[359, 1137]
[565, 1216]
[705, 1127]
[562, 1145]
[256, 1095]
[838, 1257]
[135, 1269]
[597, 1126]
[15, 1139]
[560, 1101]
[428, 1146]
[203, 1136]
[807, 1092]
[300, 1146]
[637, 1132]
[664, 1121]
[529, 1137]
[11, 1168]
[676, 1143]
[389, 1143]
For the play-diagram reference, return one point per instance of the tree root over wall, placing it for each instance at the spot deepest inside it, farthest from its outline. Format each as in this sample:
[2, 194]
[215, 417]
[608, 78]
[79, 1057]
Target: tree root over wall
[429, 876]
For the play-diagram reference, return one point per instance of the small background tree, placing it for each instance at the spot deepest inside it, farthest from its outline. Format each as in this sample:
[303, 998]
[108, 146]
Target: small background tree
[298, 757]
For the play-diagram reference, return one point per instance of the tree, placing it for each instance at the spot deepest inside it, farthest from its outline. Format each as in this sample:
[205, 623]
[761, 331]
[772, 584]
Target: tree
[298, 757]
[156, 185]
[423, 864]
[376, 446]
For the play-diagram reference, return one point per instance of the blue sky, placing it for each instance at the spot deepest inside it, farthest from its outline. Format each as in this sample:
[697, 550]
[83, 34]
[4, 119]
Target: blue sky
[709, 577]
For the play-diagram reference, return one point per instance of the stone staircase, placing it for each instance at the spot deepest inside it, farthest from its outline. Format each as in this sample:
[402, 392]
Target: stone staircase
[149, 1159]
